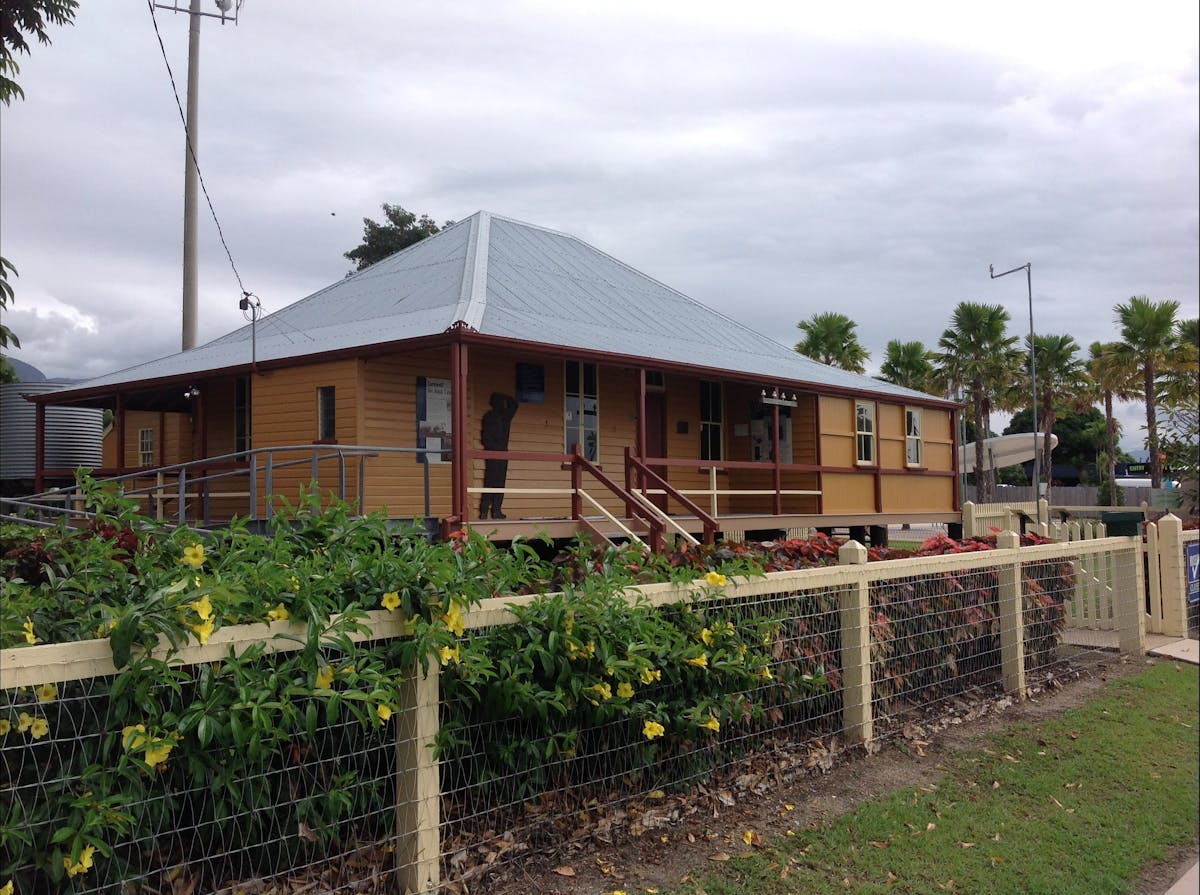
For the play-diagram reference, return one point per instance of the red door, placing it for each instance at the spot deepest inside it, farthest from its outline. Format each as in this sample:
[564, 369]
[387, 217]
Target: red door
[656, 437]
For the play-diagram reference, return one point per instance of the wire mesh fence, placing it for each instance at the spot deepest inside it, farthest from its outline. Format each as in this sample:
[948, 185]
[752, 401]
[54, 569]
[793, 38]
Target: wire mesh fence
[597, 716]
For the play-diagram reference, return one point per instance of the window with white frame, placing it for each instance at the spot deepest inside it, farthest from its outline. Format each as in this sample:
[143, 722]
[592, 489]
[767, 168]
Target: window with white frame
[913, 449]
[712, 420]
[581, 411]
[326, 413]
[145, 447]
[864, 429]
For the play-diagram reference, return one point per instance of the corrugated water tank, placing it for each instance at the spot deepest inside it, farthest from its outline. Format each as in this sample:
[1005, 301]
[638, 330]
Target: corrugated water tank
[73, 434]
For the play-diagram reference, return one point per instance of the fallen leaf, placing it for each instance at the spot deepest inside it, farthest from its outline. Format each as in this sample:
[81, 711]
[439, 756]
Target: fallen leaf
[967, 844]
[565, 870]
[719, 856]
[878, 844]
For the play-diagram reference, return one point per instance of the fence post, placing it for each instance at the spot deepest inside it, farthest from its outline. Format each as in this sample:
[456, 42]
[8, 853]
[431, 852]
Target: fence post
[1129, 589]
[418, 793]
[1154, 596]
[1043, 513]
[1172, 575]
[968, 517]
[855, 616]
[1012, 623]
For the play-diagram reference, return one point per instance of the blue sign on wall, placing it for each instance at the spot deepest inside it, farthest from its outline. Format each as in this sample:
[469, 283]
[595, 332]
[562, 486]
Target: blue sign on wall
[1191, 555]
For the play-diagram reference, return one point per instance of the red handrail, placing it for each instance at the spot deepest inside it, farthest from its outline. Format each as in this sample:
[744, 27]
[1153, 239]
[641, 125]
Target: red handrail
[632, 463]
[579, 465]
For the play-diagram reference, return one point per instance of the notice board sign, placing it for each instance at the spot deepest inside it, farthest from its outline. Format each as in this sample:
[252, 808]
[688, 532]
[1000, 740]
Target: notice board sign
[435, 429]
[1191, 556]
[531, 383]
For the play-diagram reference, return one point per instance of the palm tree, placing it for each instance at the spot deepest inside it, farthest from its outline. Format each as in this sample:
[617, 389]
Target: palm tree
[1149, 338]
[829, 337]
[976, 353]
[1061, 378]
[908, 364]
[1112, 377]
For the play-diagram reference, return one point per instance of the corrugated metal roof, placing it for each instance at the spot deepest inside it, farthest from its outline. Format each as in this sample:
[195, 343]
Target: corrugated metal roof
[515, 280]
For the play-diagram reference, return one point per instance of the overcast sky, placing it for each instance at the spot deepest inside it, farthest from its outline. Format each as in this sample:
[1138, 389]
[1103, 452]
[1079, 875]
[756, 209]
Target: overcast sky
[771, 160]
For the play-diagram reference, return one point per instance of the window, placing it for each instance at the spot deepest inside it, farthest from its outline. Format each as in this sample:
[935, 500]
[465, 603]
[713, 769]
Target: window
[912, 436]
[712, 417]
[145, 447]
[326, 413]
[581, 415]
[241, 414]
[864, 428]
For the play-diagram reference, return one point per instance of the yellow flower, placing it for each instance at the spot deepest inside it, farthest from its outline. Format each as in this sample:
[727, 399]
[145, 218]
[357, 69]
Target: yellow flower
[193, 556]
[700, 661]
[203, 608]
[449, 654]
[39, 728]
[383, 711]
[454, 619]
[5, 727]
[7, 888]
[83, 865]
[279, 613]
[324, 677]
[46, 693]
[295, 584]
[589, 649]
[711, 724]
[706, 636]
[650, 675]
[28, 632]
[390, 601]
[569, 624]
[653, 729]
[203, 630]
[603, 690]
[624, 690]
[765, 673]
[24, 722]
[715, 579]
[156, 755]
[133, 737]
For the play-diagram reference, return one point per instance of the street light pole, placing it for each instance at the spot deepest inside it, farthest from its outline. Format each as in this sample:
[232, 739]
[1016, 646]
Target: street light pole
[1037, 476]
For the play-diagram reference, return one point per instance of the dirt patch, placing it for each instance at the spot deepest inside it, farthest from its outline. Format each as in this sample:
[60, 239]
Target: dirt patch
[712, 825]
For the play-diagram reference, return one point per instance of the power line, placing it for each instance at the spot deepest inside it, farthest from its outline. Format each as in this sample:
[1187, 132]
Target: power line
[192, 150]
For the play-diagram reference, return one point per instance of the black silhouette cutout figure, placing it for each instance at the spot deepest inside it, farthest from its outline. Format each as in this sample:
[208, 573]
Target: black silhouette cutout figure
[497, 423]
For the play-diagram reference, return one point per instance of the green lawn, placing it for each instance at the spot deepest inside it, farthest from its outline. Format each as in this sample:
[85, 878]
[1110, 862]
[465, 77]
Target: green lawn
[1077, 804]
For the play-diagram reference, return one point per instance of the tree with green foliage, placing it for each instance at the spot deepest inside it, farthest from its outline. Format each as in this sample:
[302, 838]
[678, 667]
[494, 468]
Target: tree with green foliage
[977, 354]
[19, 18]
[1149, 341]
[909, 364]
[399, 230]
[1112, 376]
[1081, 437]
[1061, 379]
[831, 338]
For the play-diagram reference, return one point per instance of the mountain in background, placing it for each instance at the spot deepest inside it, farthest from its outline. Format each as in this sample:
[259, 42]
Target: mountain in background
[26, 372]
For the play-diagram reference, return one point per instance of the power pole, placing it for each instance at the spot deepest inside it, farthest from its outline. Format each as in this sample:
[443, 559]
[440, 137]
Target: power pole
[226, 10]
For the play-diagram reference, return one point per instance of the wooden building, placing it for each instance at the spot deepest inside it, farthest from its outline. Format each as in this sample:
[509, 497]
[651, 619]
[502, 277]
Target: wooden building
[497, 360]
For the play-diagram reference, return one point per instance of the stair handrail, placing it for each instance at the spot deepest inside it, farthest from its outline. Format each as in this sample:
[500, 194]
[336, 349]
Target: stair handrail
[633, 464]
[580, 464]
